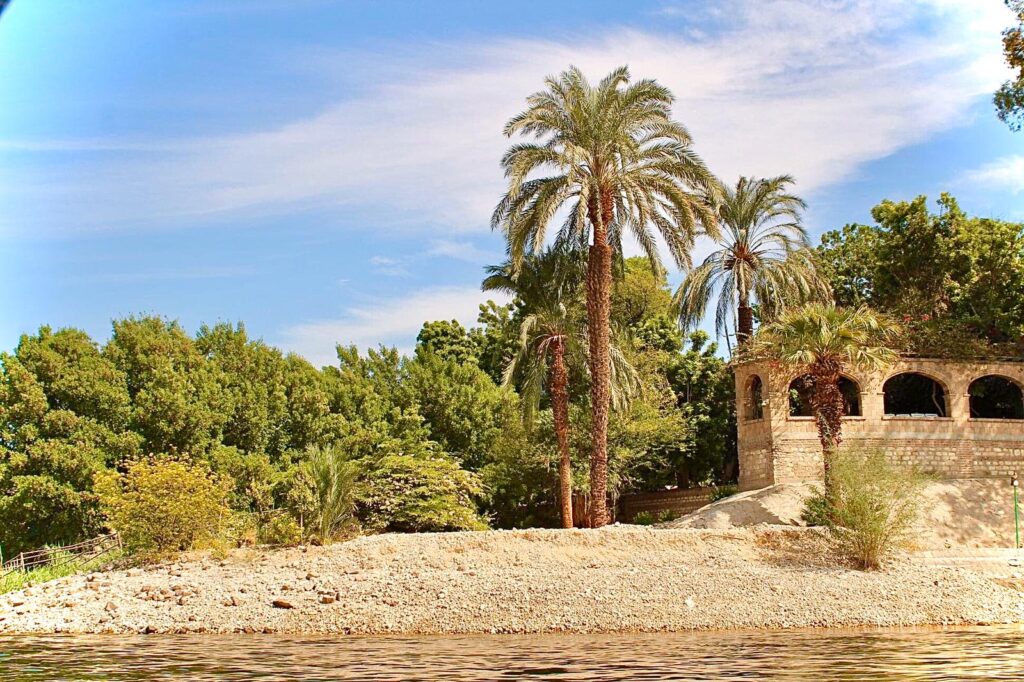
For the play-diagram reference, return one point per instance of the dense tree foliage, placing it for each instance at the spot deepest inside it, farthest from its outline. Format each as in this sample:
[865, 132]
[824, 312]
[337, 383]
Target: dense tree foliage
[947, 274]
[378, 440]
[1009, 99]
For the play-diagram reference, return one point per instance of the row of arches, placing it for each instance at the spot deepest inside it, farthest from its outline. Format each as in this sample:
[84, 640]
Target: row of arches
[909, 394]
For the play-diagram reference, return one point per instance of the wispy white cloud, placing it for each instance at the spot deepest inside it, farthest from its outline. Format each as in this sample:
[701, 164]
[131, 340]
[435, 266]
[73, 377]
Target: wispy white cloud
[394, 321]
[1006, 174]
[169, 274]
[460, 250]
[808, 88]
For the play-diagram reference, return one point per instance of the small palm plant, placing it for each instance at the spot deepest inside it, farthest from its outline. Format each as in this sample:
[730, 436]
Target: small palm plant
[612, 155]
[764, 256]
[325, 492]
[551, 340]
[823, 341]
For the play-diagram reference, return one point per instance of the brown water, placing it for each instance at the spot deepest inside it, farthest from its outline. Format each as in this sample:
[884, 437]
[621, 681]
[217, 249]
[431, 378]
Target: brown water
[953, 654]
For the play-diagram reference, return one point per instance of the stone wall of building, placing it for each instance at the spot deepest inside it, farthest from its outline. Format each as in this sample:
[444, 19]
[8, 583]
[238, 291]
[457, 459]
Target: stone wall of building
[775, 447]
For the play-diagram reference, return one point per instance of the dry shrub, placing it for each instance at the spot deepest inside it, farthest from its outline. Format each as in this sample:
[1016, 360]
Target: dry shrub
[871, 506]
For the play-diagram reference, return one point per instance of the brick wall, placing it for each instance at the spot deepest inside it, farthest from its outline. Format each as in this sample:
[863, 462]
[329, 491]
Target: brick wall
[779, 448]
[678, 502]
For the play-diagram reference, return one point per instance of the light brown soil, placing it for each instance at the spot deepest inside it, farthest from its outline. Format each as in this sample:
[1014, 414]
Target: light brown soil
[966, 513]
[614, 579]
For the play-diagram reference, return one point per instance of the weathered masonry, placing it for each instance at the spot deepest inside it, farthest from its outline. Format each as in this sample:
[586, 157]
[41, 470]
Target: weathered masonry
[951, 418]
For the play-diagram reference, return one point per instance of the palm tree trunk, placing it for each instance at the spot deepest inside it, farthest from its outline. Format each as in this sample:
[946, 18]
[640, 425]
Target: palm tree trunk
[745, 327]
[744, 317]
[599, 289]
[560, 408]
[827, 406]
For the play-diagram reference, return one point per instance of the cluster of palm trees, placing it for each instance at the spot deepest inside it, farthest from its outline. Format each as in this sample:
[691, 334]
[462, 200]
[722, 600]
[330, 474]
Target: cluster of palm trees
[607, 162]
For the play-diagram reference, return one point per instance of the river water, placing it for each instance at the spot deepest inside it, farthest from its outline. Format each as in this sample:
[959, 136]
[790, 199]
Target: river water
[934, 654]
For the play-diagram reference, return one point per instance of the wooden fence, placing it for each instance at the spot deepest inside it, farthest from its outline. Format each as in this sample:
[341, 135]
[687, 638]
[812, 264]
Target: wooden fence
[60, 556]
[674, 502]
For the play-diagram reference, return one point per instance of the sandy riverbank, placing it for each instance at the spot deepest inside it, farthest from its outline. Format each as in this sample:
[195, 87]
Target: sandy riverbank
[614, 579]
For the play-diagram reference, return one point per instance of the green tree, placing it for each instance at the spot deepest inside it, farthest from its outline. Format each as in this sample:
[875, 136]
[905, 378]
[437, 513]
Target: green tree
[943, 266]
[179, 401]
[820, 342]
[1009, 98]
[704, 387]
[447, 339]
[764, 260]
[466, 414]
[546, 285]
[497, 337]
[623, 166]
[254, 377]
[407, 494]
[63, 416]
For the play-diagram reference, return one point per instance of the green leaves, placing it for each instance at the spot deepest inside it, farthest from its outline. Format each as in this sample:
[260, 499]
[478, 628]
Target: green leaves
[944, 267]
[409, 494]
[1009, 98]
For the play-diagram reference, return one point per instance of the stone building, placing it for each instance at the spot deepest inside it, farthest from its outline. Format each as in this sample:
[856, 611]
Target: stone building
[951, 418]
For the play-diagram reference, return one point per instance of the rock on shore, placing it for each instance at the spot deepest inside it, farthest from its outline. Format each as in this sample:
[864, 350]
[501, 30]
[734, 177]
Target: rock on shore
[613, 579]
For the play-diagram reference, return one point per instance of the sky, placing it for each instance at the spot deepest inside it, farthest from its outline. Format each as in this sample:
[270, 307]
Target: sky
[325, 171]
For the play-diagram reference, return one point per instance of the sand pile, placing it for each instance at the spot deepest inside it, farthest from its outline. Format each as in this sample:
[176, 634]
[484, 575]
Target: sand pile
[965, 513]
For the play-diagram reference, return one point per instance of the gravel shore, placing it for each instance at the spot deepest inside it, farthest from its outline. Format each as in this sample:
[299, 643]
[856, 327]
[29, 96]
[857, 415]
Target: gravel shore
[615, 579]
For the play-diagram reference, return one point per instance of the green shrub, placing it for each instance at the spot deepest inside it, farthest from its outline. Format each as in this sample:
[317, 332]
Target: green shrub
[162, 505]
[871, 507]
[644, 518]
[279, 529]
[403, 493]
[323, 493]
[722, 491]
[62, 564]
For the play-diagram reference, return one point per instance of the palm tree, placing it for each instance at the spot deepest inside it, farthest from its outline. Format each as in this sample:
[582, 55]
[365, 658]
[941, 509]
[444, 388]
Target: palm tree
[325, 491]
[822, 341]
[546, 286]
[614, 157]
[764, 256]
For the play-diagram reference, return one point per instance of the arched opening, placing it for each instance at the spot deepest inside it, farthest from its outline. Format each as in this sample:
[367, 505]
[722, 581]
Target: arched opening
[914, 395]
[800, 397]
[755, 398]
[996, 397]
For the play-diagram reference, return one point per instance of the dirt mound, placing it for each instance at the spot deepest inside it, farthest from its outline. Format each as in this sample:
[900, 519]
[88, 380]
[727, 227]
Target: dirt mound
[775, 505]
[963, 513]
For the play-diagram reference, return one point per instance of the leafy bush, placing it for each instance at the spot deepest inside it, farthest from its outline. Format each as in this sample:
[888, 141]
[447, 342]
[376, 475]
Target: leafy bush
[644, 518]
[666, 515]
[323, 493]
[723, 491]
[872, 506]
[420, 494]
[279, 529]
[164, 505]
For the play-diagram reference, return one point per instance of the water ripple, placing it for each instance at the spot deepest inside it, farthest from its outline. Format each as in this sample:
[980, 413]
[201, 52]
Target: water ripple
[913, 654]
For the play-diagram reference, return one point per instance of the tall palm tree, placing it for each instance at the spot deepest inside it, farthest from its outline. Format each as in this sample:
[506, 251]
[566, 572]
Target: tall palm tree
[822, 341]
[547, 285]
[613, 156]
[764, 256]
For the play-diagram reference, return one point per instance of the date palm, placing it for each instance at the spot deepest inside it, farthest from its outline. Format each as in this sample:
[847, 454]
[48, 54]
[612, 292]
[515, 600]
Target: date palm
[764, 256]
[550, 342]
[821, 341]
[613, 157]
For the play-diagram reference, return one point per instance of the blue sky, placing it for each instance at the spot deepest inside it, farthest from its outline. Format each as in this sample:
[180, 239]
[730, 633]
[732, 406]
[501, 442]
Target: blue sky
[325, 171]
